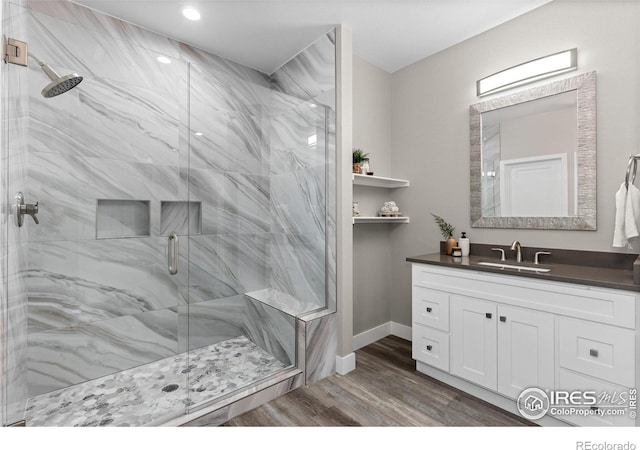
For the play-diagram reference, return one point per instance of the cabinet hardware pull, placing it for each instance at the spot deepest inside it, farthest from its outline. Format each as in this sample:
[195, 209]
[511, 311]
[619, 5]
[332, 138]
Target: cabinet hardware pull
[488, 315]
[593, 352]
[429, 347]
[503, 318]
[429, 309]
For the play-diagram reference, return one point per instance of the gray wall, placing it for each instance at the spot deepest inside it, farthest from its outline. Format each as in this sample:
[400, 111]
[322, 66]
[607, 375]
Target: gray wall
[371, 243]
[430, 125]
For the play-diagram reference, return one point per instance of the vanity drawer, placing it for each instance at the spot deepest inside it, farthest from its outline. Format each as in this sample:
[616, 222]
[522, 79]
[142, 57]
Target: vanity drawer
[430, 346]
[598, 350]
[430, 307]
[572, 381]
[608, 306]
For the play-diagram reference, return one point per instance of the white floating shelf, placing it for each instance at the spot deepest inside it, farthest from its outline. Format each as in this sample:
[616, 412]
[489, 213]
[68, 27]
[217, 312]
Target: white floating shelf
[402, 219]
[381, 182]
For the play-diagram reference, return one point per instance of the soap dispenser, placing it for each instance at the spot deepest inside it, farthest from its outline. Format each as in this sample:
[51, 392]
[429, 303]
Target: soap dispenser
[463, 243]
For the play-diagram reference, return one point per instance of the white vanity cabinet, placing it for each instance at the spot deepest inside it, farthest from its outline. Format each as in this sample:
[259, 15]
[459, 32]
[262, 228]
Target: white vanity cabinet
[501, 347]
[525, 349]
[473, 352]
[495, 335]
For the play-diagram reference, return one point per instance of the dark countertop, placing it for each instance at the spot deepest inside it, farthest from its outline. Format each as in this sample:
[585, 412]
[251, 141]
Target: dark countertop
[608, 277]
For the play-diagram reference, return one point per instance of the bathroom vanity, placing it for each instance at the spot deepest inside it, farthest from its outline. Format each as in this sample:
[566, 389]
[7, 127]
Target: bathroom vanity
[494, 332]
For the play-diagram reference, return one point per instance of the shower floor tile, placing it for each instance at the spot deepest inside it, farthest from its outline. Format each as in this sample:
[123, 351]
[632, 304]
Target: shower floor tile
[135, 397]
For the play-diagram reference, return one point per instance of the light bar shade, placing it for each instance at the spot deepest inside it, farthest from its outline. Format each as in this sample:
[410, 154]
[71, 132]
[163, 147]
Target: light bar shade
[529, 72]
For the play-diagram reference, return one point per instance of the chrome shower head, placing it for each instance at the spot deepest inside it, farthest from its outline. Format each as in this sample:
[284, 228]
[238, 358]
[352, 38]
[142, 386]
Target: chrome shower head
[59, 84]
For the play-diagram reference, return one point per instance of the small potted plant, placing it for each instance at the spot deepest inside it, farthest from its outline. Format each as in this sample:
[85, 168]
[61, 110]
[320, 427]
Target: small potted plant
[358, 156]
[447, 233]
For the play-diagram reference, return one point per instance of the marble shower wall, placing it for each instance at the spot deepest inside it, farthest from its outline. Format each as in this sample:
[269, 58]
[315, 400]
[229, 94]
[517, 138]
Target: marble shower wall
[303, 193]
[99, 306]
[318, 331]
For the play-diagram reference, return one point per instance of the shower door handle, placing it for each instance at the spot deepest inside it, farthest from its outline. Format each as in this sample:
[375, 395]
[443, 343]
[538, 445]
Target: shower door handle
[172, 254]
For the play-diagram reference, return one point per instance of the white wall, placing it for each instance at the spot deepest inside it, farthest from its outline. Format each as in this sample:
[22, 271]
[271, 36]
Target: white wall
[345, 360]
[430, 125]
[371, 243]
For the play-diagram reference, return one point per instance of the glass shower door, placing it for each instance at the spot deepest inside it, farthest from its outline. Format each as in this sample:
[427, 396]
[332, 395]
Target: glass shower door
[13, 304]
[233, 341]
[100, 311]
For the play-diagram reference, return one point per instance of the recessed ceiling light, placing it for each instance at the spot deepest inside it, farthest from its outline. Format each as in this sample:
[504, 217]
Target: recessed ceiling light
[197, 133]
[163, 60]
[190, 13]
[313, 105]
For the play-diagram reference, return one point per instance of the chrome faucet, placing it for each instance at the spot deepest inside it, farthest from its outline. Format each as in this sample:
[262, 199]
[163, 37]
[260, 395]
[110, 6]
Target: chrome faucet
[518, 249]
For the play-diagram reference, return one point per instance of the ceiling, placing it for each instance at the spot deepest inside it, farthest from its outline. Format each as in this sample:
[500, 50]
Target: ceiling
[264, 34]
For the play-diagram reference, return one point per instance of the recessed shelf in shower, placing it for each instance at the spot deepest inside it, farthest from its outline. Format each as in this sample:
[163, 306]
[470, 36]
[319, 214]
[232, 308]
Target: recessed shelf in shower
[122, 218]
[180, 217]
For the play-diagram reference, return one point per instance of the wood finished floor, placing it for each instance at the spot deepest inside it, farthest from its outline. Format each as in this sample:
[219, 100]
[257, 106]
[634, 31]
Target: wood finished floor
[384, 390]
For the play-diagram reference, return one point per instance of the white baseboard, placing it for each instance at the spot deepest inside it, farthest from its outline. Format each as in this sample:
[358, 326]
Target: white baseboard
[402, 331]
[375, 334]
[370, 336]
[345, 364]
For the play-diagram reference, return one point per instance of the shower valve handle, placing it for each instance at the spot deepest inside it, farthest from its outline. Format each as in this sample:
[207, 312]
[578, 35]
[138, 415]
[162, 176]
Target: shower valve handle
[23, 208]
[32, 210]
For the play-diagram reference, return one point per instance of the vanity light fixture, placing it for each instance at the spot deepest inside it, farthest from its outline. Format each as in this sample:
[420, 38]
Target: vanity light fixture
[529, 72]
[190, 13]
[163, 60]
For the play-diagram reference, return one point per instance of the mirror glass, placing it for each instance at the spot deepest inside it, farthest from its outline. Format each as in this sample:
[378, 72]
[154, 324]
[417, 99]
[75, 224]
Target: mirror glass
[533, 158]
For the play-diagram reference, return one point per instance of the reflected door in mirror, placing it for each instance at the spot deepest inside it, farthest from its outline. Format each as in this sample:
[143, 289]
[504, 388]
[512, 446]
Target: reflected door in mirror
[529, 158]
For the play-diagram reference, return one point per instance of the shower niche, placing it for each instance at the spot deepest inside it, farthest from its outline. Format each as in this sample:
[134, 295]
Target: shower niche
[182, 218]
[122, 218]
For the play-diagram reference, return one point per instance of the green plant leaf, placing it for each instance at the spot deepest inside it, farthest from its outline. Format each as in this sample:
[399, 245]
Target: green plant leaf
[445, 228]
[358, 155]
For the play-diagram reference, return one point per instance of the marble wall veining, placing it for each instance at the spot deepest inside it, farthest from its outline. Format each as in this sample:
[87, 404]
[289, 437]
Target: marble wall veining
[303, 199]
[186, 133]
[321, 342]
[302, 179]
[218, 152]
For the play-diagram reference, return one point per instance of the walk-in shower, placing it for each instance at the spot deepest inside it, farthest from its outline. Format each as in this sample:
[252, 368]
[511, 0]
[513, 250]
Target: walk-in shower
[104, 318]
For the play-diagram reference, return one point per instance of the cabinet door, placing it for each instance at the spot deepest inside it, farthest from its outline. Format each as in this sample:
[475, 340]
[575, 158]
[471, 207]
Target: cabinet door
[473, 340]
[525, 349]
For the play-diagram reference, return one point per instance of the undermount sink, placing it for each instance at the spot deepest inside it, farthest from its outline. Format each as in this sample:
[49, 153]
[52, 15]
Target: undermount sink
[512, 266]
